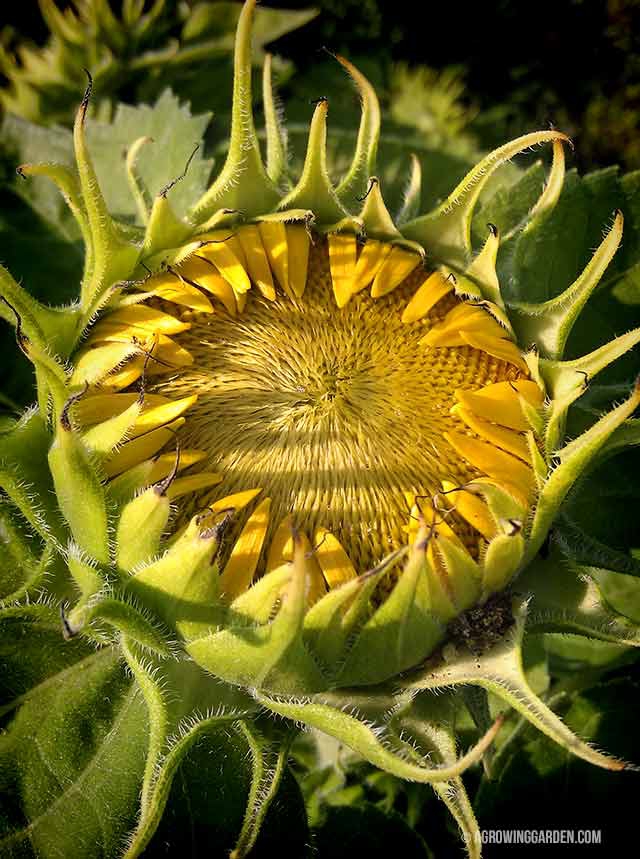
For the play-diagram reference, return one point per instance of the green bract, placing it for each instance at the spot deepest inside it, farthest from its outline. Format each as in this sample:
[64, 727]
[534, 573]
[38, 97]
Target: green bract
[176, 635]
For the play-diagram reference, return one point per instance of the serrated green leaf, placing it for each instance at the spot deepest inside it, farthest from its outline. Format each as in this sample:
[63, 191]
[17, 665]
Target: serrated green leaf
[175, 134]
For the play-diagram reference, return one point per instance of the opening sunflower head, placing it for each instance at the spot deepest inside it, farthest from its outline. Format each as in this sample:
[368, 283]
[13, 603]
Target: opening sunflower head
[335, 407]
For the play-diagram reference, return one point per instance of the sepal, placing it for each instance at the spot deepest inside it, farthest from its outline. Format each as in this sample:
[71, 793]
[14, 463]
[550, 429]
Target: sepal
[401, 632]
[112, 256]
[366, 723]
[265, 654]
[243, 183]
[140, 527]
[182, 585]
[446, 231]
[363, 165]
[567, 380]
[314, 191]
[573, 459]
[549, 323]
[499, 670]
[80, 494]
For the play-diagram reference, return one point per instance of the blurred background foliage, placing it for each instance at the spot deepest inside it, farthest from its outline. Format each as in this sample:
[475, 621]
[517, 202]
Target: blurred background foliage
[473, 75]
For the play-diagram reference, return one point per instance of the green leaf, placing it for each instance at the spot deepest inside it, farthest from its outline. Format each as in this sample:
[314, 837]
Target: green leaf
[69, 781]
[539, 263]
[175, 134]
[599, 522]
[549, 257]
[207, 802]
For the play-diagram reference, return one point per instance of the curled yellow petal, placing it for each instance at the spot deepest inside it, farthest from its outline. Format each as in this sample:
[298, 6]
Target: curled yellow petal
[160, 414]
[274, 239]
[472, 509]
[507, 439]
[396, 268]
[281, 545]
[236, 501]
[500, 402]
[192, 483]
[169, 286]
[298, 242]
[219, 249]
[492, 461]
[503, 350]
[342, 265]
[257, 260]
[435, 287]
[239, 570]
[148, 318]
[334, 562]
[136, 451]
[203, 273]
[370, 261]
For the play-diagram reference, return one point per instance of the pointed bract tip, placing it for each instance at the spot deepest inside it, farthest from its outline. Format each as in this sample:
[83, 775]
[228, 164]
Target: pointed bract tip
[86, 98]
[163, 485]
[65, 420]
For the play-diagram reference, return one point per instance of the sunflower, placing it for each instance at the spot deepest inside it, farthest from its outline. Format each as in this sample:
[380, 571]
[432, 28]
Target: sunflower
[309, 448]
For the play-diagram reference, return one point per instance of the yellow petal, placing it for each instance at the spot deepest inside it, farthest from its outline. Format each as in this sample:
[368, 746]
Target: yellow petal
[492, 461]
[141, 448]
[274, 239]
[125, 376]
[238, 573]
[281, 546]
[97, 362]
[170, 287]
[396, 268]
[507, 439]
[234, 502]
[161, 466]
[257, 260]
[500, 402]
[192, 483]
[460, 321]
[167, 356]
[204, 274]
[427, 296]
[149, 318]
[334, 562]
[241, 301]
[316, 585]
[154, 416]
[370, 261]
[503, 350]
[95, 408]
[151, 471]
[220, 250]
[423, 513]
[472, 509]
[342, 265]
[298, 242]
